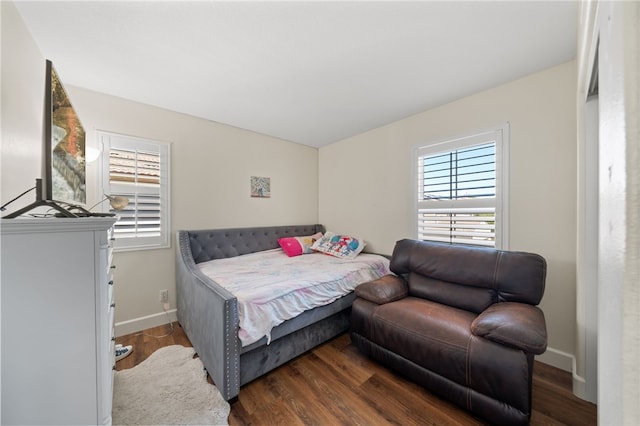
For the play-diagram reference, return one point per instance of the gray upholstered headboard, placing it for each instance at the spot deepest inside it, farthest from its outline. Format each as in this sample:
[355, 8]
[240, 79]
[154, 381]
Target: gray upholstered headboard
[209, 244]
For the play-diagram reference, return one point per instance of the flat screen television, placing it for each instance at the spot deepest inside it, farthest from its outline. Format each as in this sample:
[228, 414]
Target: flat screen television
[64, 168]
[62, 186]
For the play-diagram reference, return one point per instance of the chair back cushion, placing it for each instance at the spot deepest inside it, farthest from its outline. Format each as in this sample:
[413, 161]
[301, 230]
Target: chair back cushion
[468, 277]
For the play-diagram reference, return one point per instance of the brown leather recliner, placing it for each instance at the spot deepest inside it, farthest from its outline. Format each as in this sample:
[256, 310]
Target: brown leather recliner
[460, 321]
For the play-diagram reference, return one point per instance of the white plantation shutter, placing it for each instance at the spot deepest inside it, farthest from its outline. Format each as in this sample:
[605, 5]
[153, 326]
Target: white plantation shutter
[460, 190]
[139, 170]
[458, 225]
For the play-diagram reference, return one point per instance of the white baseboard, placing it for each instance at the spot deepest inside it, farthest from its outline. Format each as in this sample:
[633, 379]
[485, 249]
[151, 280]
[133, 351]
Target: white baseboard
[559, 359]
[138, 324]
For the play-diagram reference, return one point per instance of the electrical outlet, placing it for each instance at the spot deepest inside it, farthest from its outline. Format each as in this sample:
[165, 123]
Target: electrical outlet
[164, 296]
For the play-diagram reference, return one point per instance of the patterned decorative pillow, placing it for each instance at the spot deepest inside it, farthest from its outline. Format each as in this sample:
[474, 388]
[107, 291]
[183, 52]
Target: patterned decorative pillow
[295, 246]
[343, 246]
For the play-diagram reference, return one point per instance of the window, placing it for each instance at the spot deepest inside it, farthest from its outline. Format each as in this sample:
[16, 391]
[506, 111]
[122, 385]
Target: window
[139, 170]
[461, 189]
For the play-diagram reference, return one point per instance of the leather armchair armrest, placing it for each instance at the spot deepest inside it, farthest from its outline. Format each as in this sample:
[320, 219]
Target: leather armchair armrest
[513, 324]
[383, 290]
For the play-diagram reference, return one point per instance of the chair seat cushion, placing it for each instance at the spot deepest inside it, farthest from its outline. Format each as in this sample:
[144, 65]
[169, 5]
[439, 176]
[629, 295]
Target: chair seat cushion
[432, 335]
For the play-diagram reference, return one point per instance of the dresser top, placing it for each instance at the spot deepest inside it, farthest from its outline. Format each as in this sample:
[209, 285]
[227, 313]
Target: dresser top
[55, 224]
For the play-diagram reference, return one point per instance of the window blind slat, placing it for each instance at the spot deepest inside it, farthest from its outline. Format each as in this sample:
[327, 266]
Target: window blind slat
[134, 166]
[457, 227]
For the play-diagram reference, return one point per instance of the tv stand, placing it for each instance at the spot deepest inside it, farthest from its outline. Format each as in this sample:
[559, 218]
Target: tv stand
[40, 202]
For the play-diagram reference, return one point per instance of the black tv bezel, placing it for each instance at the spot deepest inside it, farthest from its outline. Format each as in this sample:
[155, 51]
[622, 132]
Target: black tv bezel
[47, 153]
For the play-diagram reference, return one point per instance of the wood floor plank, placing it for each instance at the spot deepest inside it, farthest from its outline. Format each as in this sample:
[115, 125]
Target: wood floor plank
[335, 357]
[571, 410]
[238, 415]
[348, 411]
[304, 403]
[335, 384]
[257, 395]
[396, 404]
[275, 414]
[414, 403]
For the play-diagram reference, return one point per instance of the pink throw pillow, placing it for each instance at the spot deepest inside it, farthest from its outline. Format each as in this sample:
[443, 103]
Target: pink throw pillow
[295, 246]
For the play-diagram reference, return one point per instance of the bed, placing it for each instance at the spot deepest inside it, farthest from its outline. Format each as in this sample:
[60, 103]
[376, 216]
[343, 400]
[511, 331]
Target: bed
[213, 317]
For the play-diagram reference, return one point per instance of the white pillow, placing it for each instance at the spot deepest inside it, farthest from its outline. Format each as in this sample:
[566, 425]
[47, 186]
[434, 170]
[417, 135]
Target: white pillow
[343, 246]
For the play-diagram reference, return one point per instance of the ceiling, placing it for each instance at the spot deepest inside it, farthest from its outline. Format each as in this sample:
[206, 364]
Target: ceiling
[308, 72]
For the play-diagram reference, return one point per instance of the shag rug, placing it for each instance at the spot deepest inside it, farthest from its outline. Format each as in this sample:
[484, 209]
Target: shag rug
[168, 388]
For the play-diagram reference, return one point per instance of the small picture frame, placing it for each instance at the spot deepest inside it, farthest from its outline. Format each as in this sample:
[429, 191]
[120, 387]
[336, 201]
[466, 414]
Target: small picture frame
[260, 187]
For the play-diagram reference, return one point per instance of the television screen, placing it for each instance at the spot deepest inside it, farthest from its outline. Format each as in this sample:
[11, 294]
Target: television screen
[65, 170]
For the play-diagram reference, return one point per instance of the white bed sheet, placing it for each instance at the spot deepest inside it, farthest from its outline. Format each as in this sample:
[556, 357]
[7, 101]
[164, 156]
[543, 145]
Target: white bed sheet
[272, 287]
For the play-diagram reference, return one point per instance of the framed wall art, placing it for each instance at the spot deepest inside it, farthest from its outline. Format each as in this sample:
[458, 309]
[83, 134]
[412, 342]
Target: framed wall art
[260, 187]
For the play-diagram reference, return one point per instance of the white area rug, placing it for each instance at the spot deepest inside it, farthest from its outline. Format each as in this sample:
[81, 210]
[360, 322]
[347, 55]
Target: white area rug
[168, 388]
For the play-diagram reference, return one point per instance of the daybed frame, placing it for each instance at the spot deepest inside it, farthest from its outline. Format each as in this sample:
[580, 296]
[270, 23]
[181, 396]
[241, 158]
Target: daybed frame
[209, 314]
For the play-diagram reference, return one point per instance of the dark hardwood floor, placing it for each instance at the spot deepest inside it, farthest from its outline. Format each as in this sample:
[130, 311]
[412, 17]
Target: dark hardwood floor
[336, 385]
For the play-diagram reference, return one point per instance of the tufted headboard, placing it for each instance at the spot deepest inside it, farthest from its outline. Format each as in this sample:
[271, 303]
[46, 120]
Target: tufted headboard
[209, 244]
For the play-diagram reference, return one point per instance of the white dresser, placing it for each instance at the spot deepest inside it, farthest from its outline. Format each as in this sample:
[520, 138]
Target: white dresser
[56, 292]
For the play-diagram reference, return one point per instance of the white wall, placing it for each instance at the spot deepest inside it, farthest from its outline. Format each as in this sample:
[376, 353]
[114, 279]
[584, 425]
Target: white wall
[211, 165]
[23, 70]
[366, 183]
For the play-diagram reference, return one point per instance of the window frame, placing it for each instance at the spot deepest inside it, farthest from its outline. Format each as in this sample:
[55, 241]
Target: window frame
[108, 140]
[499, 134]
